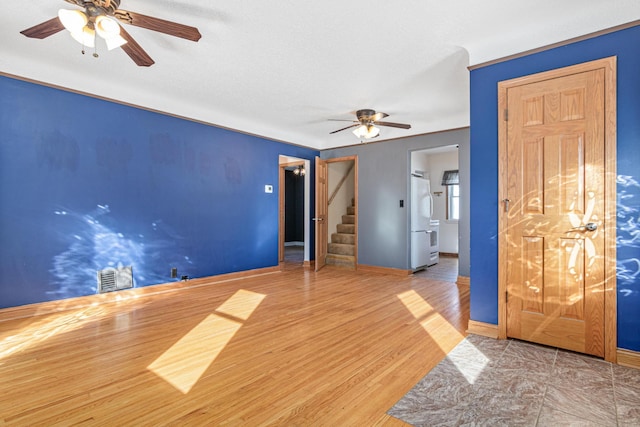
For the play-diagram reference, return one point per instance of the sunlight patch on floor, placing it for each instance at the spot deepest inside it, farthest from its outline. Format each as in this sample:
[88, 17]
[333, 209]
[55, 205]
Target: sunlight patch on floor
[46, 327]
[416, 304]
[241, 304]
[469, 361]
[432, 321]
[183, 364]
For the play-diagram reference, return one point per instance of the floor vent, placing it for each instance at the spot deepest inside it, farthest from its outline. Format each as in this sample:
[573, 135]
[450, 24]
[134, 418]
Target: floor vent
[115, 279]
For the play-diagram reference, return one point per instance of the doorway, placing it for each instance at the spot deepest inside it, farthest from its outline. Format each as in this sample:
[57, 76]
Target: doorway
[438, 166]
[557, 208]
[336, 218]
[294, 211]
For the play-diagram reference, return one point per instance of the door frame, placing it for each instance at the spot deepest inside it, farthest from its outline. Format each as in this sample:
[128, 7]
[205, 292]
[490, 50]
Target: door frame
[281, 211]
[353, 158]
[610, 315]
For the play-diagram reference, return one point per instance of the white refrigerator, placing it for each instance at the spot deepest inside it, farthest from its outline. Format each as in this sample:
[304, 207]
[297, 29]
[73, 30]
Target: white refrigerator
[421, 213]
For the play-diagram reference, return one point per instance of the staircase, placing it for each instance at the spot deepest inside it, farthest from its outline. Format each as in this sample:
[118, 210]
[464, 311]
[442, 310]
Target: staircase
[341, 250]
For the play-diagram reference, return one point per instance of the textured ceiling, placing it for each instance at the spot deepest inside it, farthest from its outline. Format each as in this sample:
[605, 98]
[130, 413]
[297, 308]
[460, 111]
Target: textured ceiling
[281, 69]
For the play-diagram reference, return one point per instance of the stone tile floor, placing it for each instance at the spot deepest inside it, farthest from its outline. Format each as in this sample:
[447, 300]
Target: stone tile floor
[487, 382]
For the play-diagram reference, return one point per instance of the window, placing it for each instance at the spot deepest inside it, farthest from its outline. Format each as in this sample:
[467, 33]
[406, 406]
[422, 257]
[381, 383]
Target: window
[451, 181]
[453, 202]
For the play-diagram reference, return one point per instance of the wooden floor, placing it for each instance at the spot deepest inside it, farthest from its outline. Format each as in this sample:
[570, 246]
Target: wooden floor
[291, 348]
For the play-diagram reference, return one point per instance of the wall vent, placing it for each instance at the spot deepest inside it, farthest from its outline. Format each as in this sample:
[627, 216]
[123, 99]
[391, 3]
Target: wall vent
[115, 279]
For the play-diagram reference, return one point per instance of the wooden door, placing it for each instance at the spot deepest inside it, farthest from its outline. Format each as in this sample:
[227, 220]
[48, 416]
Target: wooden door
[321, 212]
[555, 208]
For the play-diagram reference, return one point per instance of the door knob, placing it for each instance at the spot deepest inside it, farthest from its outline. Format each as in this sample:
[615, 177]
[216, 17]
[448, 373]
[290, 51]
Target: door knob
[590, 226]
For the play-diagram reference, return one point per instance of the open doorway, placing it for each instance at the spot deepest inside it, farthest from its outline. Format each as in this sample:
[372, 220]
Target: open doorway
[434, 216]
[294, 211]
[337, 212]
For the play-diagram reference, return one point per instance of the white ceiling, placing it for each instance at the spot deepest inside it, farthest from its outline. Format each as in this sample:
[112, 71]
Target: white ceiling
[281, 69]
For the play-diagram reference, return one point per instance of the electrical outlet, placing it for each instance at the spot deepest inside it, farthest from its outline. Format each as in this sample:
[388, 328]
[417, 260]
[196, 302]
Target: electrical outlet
[402, 203]
[174, 272]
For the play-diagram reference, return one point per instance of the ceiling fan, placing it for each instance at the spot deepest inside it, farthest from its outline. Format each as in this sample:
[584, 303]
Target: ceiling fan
[365, 125]
[98, 18]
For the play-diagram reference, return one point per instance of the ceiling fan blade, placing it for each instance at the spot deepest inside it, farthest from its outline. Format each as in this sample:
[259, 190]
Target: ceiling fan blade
[135, 51]
[379, 116]
[342, 120]
[157, 24]
[393, 125]
[348, 127]
[44, 29]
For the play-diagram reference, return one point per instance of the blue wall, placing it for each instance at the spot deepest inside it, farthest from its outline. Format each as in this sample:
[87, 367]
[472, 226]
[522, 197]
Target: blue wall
[625, 45]
[86, 184]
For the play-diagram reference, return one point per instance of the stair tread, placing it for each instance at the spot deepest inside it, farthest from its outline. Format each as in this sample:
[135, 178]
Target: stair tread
[348, 219]
[341, 261]
[341, 248]
[346, 228]
[346, 238]
[339, 256]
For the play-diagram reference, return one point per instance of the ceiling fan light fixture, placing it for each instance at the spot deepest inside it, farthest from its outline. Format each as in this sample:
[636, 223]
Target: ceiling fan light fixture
[365, 125]
[360, 131]
[104, 16]
[107, 27]
[372, 131]
[115, 42]
[72, 20]
[366, 131]
[86, 37]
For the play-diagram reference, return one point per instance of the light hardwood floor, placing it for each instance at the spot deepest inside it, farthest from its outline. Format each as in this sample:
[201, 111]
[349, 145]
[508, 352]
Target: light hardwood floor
[296, 347]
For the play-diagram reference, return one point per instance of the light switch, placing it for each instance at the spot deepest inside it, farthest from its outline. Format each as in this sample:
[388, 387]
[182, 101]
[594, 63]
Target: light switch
[268, 188]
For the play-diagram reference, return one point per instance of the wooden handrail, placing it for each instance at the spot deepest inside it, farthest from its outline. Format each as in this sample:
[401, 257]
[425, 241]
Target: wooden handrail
[344, 178]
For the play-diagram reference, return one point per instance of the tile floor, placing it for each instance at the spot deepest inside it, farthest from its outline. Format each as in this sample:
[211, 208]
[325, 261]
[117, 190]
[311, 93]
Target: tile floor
[487, 382]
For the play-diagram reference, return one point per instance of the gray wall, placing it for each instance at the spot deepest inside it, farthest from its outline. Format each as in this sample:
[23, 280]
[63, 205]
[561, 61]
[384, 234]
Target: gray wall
[383, 180]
